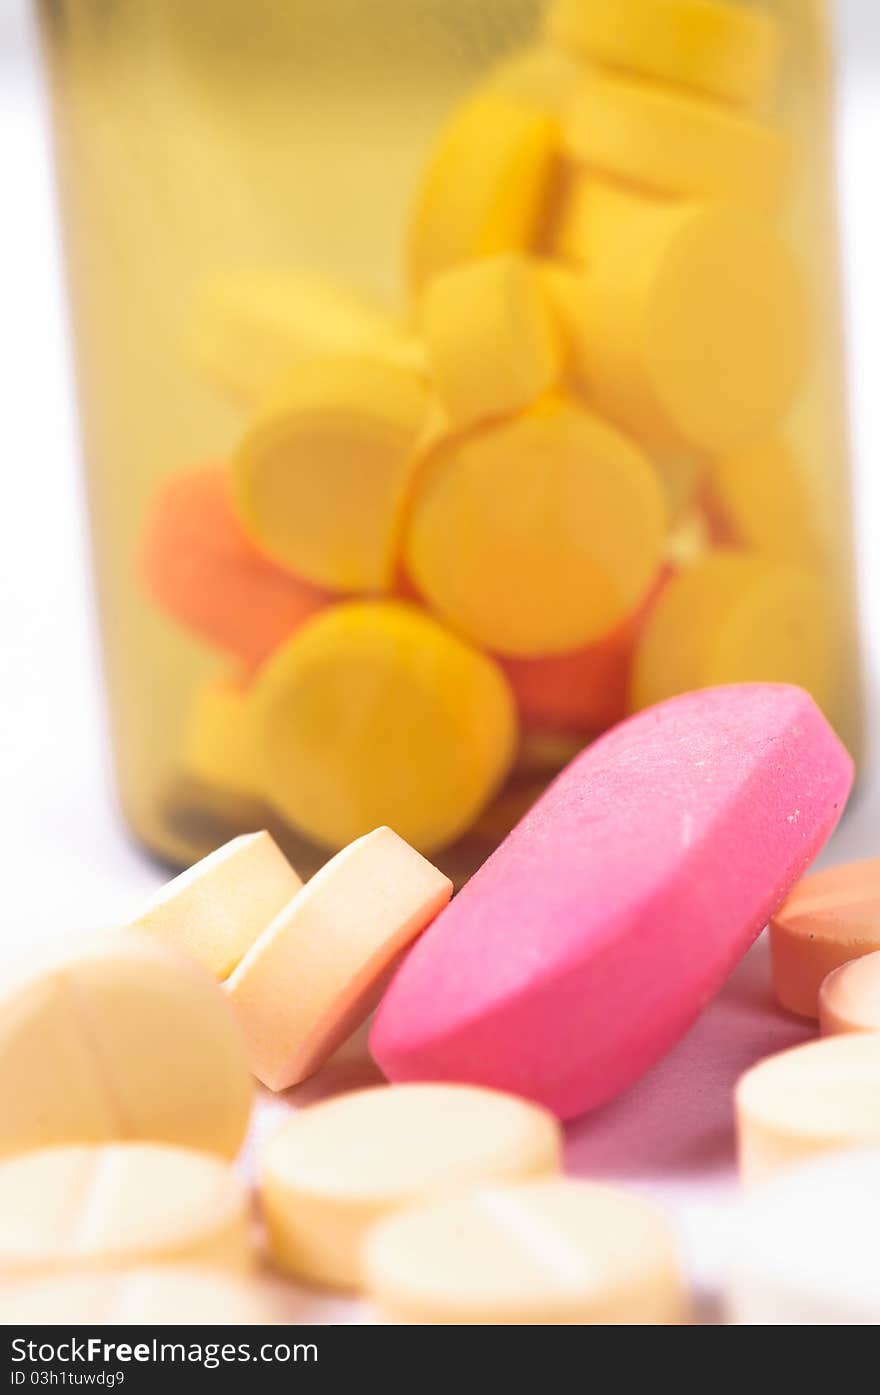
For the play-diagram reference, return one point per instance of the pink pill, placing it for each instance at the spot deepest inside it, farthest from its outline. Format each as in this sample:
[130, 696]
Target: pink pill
[611, 915]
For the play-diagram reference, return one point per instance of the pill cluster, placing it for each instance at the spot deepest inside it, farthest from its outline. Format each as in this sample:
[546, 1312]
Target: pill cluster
[553, 488]
[570, 963]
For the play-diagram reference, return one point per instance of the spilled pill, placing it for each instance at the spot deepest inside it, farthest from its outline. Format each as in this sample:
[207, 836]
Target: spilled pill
[550, 1251]
[587, 944]
[337, 1167]
[849, 999]
[831, 917]
[217, 908]
[817, 1098]
[315, 972]
[118, 1036]
[119, 1205]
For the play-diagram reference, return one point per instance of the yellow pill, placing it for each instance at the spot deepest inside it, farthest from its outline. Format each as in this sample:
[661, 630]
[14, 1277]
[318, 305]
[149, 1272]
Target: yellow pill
[538, 535]
[726, 51]
[316, 972]
[552, 1251]
[253, 324]
[218, 742]
[118, 1036]
[819, 1098]
[693, 333]
[732, 618]
[485, 187]
[373, 714]
[338, 1167]
[147, 1297]
[674, 143]
[492, 337]
[542, 76]
[320, 478]
[849, 1000]
[123, 1204]
[217, 908]
[760, 499]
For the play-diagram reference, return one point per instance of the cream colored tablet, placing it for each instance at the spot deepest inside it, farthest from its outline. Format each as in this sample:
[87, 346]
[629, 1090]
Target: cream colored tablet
[553, 1251]
[117, 1036]
[830, 918]
[338, 1167]
[817, 1098]
[121, 1204]
[162, 1296]
[803, 1249]
[849, 999]
[216, 909]
[316, 972]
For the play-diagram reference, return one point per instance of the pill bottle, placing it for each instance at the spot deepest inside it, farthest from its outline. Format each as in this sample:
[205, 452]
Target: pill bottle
[457, 377]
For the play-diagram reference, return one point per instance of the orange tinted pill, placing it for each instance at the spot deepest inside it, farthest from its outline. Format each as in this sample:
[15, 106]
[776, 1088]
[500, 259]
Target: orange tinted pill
[201, 568]
[829, 919]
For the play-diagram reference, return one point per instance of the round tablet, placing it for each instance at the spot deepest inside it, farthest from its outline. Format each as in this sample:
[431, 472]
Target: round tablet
[120, 1205]
[161, 1296]
[725, 51]
[218, 747]
[319, 478]
[849, 999]
[759, 498]
[339, 1166]
[216, 909]
[316, 972]
[537, 535]
[377, 715]
[552, 1251]
[733, 618]
[493, 341]
[693, 329]
[803, 1249]
[485, 186]
[597, 932]
[675, 143]
[830, 918]
[117, 1036]
[816, 1098]
[198, 564]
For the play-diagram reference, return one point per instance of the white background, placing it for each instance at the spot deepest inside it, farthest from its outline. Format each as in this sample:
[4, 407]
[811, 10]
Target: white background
[65, 859]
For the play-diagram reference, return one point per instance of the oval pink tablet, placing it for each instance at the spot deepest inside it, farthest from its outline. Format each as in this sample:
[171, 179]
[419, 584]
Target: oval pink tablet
[589, 942]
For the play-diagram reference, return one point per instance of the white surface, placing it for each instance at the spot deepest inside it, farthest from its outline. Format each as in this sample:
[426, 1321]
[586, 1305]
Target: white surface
[67, 861]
